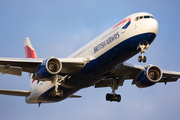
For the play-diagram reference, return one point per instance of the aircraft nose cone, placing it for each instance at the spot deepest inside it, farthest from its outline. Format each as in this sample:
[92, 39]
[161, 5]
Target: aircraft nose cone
[152, 26]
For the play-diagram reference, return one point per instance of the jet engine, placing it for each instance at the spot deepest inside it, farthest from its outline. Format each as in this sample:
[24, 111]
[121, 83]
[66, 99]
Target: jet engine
[148, 77]
[48, 68]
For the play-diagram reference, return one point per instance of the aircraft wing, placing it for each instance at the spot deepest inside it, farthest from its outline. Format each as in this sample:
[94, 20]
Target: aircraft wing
[15, 92]
[128, 71]
[15, 66]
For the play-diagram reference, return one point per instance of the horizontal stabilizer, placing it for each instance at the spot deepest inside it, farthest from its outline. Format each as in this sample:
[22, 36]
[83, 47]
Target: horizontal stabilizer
[75, 96]
[15, 92]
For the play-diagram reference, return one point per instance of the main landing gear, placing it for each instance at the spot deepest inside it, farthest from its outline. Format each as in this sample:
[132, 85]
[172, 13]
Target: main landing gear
[57, 80]
[143, 47]
[112, 96]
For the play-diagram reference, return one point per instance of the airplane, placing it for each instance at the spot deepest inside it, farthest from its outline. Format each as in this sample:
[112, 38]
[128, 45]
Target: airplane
[99, 63]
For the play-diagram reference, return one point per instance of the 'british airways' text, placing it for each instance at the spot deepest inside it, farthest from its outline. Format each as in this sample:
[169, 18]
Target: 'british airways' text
[106, 42]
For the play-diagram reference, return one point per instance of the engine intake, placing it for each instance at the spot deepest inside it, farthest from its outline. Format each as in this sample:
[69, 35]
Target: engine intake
[48, 68]
[53, 65]
[148, 77]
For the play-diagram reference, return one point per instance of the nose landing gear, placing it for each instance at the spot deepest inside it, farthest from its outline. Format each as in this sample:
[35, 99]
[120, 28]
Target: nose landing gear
[143, 48]
[142, 58]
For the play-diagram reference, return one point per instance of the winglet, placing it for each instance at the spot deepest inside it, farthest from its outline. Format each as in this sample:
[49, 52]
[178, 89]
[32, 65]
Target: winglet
[29, 50]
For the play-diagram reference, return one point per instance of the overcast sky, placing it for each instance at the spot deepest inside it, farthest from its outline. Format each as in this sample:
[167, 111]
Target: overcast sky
[58, 28]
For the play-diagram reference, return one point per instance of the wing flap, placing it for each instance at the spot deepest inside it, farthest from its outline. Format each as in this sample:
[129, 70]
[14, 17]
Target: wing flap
[10, 70]
[108, 82]
[169, 79]
[130, 71]
[15, 92]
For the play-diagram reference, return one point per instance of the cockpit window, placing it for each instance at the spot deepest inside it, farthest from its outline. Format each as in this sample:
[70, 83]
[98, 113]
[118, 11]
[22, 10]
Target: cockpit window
[146, 17]
[153, 17]
[143, 17]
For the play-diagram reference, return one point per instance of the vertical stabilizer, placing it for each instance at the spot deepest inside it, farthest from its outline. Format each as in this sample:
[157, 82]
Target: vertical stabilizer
[29, 50]
[30, 53]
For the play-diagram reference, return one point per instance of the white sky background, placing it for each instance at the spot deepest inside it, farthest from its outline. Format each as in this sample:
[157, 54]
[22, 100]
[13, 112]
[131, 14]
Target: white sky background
[58, 28]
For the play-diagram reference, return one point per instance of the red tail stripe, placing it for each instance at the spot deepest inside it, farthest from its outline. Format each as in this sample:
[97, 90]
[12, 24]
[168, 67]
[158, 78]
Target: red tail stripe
[33, 81]
[30, 53]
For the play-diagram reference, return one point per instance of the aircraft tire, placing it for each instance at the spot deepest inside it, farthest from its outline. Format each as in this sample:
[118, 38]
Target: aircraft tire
[111, 97]
[144, 59]
[119, 98]
[139, 58]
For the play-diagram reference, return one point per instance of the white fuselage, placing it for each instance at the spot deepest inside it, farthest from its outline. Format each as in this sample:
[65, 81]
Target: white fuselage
[133, 25]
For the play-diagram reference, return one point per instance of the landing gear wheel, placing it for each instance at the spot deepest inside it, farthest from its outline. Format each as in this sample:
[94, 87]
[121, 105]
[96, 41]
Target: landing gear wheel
[111, 97]
[143, 48]
[53, 93]
[107, 96]
[144, 59]
[60, 93]
[118, 98]
[139, 58]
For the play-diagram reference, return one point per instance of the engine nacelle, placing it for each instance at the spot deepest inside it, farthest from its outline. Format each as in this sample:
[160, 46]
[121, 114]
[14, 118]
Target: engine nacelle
[148, 77]
[48, 68]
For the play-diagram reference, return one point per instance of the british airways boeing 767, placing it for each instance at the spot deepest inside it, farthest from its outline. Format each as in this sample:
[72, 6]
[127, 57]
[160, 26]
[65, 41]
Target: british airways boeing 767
[99, 63]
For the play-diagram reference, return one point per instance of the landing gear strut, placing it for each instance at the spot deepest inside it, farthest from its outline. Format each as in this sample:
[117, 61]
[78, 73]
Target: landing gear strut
[143, 47]
[112, 96]
[58, 80]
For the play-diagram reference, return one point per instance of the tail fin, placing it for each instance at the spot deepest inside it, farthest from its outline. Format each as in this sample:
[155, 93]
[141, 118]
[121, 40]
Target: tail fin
[30, 53]
[29, 50]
